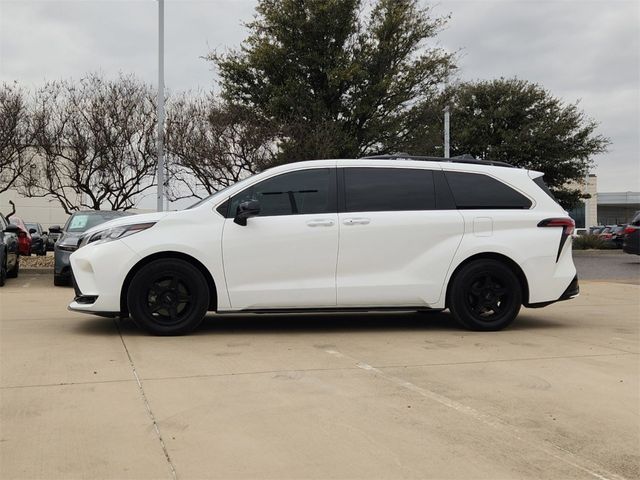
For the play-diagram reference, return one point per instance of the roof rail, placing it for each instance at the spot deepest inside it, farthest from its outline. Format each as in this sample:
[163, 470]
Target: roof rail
[466, 158]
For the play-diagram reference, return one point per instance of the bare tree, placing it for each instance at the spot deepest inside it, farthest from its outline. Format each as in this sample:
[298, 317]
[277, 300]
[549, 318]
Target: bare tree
[95, 141]
[213, 145]
[14, 135]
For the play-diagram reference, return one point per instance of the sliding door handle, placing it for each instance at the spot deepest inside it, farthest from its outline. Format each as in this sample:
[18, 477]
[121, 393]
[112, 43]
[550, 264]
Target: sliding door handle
[356, 221]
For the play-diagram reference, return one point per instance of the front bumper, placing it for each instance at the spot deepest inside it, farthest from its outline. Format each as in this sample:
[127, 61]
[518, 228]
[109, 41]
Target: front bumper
[98, 273]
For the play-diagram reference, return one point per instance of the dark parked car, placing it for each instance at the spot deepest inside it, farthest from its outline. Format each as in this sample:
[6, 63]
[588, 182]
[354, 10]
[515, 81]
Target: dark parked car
[9, 255]
[631, 243]
[617, 236]
[24, 237]
[52, 238]
[76, 225]
[39, 238]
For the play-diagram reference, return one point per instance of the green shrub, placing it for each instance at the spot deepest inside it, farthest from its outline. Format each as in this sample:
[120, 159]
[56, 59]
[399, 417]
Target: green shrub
[587, 242]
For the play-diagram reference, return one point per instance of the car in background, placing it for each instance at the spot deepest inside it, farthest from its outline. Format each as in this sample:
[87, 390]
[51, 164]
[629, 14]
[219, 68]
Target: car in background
[70, 234]
[605, 233]
[617, 236]
[24, 237]
[631, 242]
[9, 255]
[596, 229]
[52, 237]
[39, 238]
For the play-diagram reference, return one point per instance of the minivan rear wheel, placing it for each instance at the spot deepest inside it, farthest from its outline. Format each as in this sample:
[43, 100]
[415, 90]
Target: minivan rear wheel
[485, 295]
[168, 297]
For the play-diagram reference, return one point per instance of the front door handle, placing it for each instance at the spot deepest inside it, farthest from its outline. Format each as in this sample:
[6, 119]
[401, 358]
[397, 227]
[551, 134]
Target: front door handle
[320, 223]
[356, 221]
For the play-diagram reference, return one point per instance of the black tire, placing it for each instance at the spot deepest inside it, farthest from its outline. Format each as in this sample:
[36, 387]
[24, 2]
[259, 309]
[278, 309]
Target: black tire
[485, 295]
[61, 281]
[168, 297]
[13, 273]
[3, 269]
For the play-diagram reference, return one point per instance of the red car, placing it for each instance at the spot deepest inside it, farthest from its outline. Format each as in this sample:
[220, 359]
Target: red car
[24, 237]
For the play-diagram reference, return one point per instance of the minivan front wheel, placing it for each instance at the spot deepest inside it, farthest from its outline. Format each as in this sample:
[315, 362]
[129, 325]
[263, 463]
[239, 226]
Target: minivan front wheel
[485, 295]
[168, 297]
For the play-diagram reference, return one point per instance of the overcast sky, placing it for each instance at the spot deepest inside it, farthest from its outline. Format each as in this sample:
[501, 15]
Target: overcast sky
[579, 50]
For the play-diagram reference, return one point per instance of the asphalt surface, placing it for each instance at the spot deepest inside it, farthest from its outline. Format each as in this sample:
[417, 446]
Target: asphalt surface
[609, 265]
[320, 396]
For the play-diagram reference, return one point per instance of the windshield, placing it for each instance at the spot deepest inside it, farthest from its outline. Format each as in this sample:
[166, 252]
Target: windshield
[80, 222]
[219, 192]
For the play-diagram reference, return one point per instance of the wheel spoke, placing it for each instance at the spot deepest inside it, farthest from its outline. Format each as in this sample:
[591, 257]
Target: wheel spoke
[156, 307]
[495, 307]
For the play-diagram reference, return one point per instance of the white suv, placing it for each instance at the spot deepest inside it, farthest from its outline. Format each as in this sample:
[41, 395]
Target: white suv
[380, 233]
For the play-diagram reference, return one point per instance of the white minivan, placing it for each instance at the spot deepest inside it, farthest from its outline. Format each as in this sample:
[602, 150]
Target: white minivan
[380, 233]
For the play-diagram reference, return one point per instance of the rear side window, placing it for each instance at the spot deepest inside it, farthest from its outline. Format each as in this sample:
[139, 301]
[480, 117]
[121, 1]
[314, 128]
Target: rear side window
[296, 193]
[388, 189]
[478, 191]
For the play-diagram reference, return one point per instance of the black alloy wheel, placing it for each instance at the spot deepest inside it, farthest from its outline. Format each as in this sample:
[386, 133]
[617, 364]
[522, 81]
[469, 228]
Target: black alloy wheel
[168, 297]
[169, 300]
[485, 295]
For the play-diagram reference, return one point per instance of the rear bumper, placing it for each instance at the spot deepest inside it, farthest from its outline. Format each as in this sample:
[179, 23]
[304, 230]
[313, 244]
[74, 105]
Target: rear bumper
[572, 291]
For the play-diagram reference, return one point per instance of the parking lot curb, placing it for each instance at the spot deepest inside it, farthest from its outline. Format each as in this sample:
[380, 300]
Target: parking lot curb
[593, 251]
[36, 270]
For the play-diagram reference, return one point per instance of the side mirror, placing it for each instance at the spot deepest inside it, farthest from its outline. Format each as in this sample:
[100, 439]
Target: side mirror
[247, 209]
[32, 230]
[55, 229]
[11, 228]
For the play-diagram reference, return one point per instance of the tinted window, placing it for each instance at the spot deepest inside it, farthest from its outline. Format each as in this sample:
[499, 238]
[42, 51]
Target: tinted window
[388, 189]
[475, 190]
[295, 193]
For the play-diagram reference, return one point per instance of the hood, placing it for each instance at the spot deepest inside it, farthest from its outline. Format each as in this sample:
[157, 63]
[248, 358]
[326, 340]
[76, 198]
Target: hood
[128, 220]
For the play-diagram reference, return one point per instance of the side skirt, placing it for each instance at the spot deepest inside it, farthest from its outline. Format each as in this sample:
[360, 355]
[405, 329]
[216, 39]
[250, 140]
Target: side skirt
[330, 310]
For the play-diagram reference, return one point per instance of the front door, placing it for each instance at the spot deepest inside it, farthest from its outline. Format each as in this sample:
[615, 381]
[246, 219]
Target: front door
[286, 256]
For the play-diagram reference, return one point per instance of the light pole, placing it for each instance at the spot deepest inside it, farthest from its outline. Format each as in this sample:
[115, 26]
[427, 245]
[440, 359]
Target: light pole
[160, 107]
[446, 131]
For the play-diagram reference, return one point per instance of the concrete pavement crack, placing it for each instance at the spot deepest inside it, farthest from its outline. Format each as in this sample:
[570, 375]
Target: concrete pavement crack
[147, 405]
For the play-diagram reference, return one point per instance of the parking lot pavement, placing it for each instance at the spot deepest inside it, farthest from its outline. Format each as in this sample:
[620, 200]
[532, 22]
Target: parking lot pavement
[320, 396]
[609, 265]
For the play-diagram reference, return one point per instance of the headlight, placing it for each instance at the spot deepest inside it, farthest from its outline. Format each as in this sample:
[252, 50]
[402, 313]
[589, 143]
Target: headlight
[114, 233]
[69, 246]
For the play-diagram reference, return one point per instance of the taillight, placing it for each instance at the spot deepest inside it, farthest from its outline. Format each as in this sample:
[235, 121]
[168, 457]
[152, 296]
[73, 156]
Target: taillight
[567, 224]
[628, 230]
